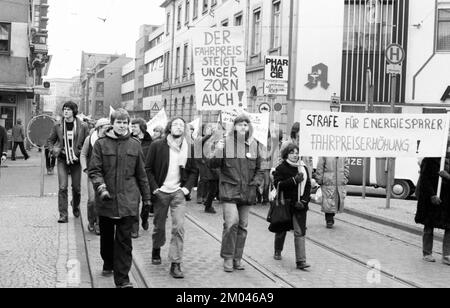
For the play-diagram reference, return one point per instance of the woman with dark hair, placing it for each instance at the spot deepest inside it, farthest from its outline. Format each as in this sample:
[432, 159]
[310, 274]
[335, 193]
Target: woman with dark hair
[294, 184]
[295, 139]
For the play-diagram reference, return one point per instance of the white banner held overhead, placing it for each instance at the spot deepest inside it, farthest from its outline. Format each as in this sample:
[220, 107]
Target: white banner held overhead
[373, 135]
[260, 123]
[220, 70]
[158, 120]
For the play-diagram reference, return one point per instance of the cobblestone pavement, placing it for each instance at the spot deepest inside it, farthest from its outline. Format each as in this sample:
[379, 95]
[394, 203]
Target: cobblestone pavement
[35, 250]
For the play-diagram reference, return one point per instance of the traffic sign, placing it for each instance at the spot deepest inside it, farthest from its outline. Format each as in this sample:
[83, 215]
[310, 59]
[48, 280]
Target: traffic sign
[278, 107]
[395, 69]
[155, 107]
[275, 88]
[264, 107]
[395, 54]
[39, 130]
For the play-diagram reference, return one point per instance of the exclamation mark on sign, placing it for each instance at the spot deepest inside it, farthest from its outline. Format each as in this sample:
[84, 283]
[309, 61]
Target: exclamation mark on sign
[241, 95]
[418, 146]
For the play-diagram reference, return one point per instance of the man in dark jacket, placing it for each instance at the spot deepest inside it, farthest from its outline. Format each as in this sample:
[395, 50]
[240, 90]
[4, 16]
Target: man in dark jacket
[239, 163]
[65, 143]
[139, 131]
[117, 172]
[172, 174]
[3, 144]
[18, 135]
[433, 211]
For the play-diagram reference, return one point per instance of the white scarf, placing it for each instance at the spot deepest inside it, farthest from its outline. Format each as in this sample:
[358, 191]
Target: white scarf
[94, 138]
[183, 150]
[302, 170]
[69, 140]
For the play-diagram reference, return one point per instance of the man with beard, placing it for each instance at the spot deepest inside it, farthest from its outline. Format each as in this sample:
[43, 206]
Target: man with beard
[172, 174]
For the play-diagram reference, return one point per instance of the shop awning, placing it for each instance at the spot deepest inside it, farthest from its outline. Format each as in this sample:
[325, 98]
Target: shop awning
[14, 88]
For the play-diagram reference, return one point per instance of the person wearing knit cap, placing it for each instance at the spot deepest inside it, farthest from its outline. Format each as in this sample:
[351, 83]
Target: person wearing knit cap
[239, 163]
[101, 127]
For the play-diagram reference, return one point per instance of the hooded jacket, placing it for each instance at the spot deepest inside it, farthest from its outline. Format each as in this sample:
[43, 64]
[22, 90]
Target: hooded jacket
[118, 162]
[239, 169]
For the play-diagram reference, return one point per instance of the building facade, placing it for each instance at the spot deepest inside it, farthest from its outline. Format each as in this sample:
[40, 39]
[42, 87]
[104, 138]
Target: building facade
[344, 53]
[101, 80]
[23, 58]
[62, 90]
[265, 24]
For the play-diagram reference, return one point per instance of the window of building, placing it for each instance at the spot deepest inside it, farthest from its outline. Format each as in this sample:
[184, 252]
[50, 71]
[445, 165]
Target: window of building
[256, 37]
[187, 11]
[238, 19]
[99, 108]
[156, 41]
[185, 60]
[177, 63]
[276, 23]
[205, 6]
[128, 96]
[100, 89]
[183, 105]
[195, 10]
[5, 37]
[128, 77]
[166, 66]
[443, 32]
[168, 24]
[213, 3]
[224, 23]
[180, 8]
[152, 90]
[101, 74]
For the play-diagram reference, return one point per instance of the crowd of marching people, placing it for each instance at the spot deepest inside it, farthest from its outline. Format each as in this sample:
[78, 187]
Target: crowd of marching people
[133, 175]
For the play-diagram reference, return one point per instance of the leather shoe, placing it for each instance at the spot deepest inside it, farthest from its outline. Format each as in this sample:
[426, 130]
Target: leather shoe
[446, 260]
[107, 273]
[126, 285]
[277, 255]
[97, 229]
[145, 225]
[175, 271]
[237, 265]
[302, 265]
[156, 256]
[91, 228]
[228, 265]
[210, 210]
[63, 220]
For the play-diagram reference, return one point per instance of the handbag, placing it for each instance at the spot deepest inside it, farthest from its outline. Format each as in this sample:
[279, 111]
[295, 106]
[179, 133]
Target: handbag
[299, 206]
[280, 216]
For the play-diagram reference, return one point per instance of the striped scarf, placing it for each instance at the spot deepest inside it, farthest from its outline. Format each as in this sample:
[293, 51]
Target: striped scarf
[69, 139]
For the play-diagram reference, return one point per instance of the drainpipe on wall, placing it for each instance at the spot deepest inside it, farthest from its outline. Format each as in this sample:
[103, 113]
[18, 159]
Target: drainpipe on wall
[171, 57]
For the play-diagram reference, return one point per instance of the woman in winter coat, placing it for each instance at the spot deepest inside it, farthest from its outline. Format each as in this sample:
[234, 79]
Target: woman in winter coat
[292, 177]
[332, 174]
[434, 211]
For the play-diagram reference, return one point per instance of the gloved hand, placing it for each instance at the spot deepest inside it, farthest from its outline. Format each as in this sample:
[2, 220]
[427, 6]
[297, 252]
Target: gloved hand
[104, 193]
[299, 178]
[435, 200]
[299, 206]
[147, 203]
[444, 174]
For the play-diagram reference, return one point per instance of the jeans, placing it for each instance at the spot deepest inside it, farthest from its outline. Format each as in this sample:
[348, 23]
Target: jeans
[428, 236]
[116, 247]
[213, 188]
[177, 203]
[299, 220]
[63, 180]
[50, 161]
[22, 149]
[234, 230]
[264, 187]
[92, 215]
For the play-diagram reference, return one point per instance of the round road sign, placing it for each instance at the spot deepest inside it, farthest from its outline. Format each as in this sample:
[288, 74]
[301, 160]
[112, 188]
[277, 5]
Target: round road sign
[278, 107]
[395, 54]
[39, 130]
[264, 107]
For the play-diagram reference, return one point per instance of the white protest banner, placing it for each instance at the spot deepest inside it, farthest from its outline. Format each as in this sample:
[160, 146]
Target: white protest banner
[373, 135]
[158, 120]
[196, 125]
[111, 111]
[260, 123]
[220, 69]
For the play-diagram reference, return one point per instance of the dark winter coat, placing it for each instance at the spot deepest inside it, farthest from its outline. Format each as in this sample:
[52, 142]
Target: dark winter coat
[437, 216]
[18, 133]
[239, 175]
[203, 146]
[146, 143]
[3, 141]
[56, 140]
[284, 176]
[157, 167]
[118, 162]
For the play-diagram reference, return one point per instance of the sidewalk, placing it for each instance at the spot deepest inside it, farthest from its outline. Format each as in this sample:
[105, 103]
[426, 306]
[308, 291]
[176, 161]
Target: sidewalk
[36, 251]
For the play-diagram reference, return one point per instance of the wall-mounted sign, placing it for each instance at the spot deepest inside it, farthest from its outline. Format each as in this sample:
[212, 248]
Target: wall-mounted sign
[276, 68]
[395, 54]
[446, 95]
[319, 74]
[264, 107]
[275, 88]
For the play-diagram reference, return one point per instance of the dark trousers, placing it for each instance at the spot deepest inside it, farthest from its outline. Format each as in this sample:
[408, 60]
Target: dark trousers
[63, 180]
[299, 222]
[145, 213]
[50, 161]
[202, 190]
[428, 237]
[213, 188]
[329, 217]
[22, 149]
[116, 247]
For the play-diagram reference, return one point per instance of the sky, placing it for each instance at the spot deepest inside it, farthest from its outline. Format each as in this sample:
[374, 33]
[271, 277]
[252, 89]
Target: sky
[75, 26]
